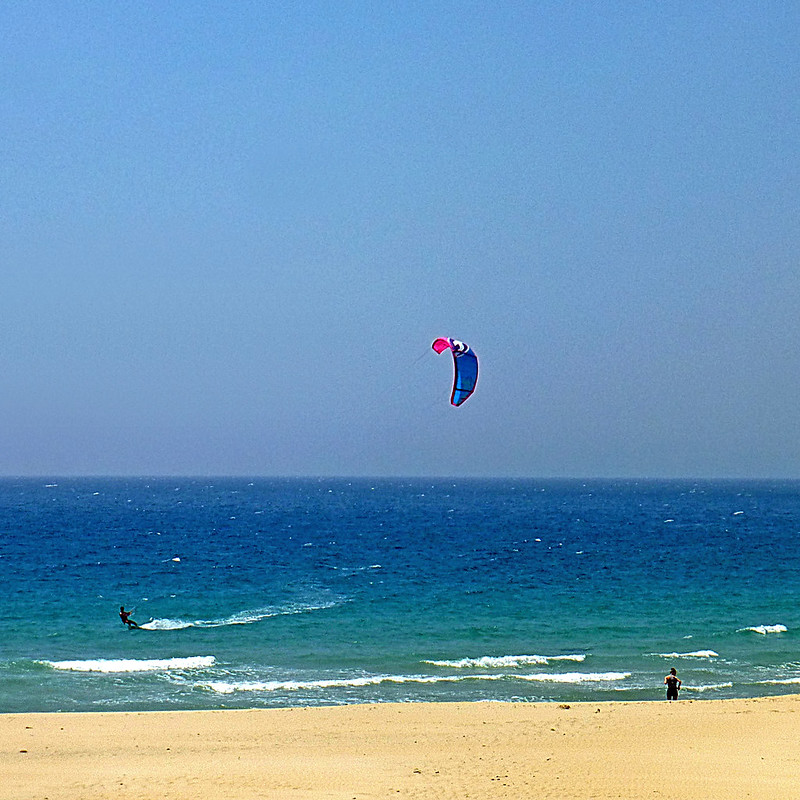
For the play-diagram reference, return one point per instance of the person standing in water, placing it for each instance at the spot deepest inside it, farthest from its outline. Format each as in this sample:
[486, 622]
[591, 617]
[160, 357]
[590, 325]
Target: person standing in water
[673, 683]
[125, 616]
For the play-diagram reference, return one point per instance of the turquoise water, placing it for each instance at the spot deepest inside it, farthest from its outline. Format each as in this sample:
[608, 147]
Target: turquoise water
[263, 593]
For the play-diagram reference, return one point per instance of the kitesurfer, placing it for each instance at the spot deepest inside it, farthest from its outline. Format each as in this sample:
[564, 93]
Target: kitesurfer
[673, 684]
[125, 616]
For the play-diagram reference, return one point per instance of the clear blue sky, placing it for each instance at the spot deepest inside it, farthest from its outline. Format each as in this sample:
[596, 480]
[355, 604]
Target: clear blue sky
[229, 233]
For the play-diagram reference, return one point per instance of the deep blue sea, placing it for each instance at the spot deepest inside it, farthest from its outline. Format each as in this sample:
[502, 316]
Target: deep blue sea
[269, 593]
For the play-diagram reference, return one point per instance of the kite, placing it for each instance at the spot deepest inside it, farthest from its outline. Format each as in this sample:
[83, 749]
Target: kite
[465, 364]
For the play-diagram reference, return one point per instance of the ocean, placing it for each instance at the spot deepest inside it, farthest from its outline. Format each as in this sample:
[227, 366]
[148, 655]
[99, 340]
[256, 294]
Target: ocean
[306, 592]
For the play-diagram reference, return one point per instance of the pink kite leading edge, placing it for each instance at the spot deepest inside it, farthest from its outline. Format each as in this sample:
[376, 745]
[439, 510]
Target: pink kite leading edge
[465, 364]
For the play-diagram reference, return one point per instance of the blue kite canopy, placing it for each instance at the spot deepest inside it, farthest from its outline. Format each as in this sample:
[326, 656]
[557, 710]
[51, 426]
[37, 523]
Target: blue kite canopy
[465, 365]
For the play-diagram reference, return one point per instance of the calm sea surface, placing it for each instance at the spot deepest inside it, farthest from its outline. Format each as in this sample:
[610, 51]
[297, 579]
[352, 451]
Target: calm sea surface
[265, 593]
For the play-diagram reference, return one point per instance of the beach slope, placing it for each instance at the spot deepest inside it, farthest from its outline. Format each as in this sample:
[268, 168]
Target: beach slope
[675, 751]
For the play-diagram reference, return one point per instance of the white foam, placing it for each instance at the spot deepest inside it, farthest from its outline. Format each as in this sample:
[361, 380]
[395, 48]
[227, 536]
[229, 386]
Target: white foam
[166, 625]
[712, 687]
[505, 662]
[229, 687]
[576, 677]
[783, 682]
[693, 654]
[240, 618]
[224, 687]
[133, 665]
[765, 629]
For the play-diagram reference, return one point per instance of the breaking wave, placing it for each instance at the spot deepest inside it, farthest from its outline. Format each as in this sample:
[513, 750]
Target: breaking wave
[712, 687]
[229, 687]
[504, 662]
[693, 654]
[575, 677]
[132, 664]
[765, 629]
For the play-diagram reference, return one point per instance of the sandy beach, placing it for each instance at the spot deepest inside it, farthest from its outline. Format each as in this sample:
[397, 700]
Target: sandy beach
[684, 750]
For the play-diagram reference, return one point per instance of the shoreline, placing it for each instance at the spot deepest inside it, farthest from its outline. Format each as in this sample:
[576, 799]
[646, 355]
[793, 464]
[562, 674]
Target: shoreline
[703, 749]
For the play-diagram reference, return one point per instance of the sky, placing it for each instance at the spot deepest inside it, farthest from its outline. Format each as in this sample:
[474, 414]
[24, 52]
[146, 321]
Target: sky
[229, 233]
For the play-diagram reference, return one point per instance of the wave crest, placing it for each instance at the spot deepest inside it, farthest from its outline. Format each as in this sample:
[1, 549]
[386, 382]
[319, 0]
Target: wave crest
[229, 687]
[693, 654]
[505, 662]
[711, 687]
[765, 629]
[575, 677]
[108, 665]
